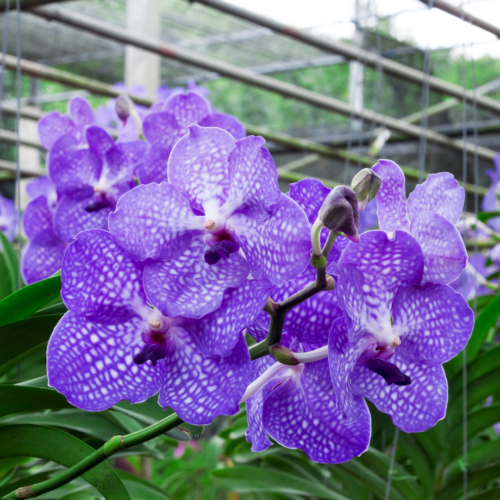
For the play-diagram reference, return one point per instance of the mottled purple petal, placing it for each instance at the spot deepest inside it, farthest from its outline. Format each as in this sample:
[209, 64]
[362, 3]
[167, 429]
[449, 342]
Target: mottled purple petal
[413, 408]
[289, 419]
[100, 280]
[217, 333]
[198, 165]
[342, 359]
[79, 109]
[162, 129]
[444, 251]
[188, 286]
[253, 180]
[226, 122]
[256, 433]
[200, 388]
[277, 249]
[440, 193]
[37, 218]
[53, 126]
[99, 140]
[309, 194]
[391, 198]
[74, 171]
[386, 265]
[368, 217]
[490, 200]
[433, 322]
[121, 159]
[188, 108]
[42, 186]
[92, 364]
[71, 217]
[40, 260]
[154, 221]
[153, 168]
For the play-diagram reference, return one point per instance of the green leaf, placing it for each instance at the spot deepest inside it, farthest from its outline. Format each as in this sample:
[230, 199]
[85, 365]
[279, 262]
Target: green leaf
[474, 480]
[17, 338]
[24, 481]
[11, 261]
[485, 216]
[256, 479]
[17, 398]
[139, 488]
[92, 424]
[5, 285]
[151, 412]
[476, 422]
[62, 448]
[25, 302]
[486, 319]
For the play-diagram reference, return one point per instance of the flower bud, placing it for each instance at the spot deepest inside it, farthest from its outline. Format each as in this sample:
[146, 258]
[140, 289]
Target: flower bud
[123, 106]
[283, 355]
[340, 212]
[366, 185]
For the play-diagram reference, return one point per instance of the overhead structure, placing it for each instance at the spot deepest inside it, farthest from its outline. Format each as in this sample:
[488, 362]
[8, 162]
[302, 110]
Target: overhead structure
[103, 89]
[351, 52]
[187, 56]
[465, 16]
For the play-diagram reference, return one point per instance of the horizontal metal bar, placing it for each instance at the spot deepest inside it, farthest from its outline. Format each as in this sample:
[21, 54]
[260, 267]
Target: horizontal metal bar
[113, 32]
[354, 53]
[465, 16]
[297, 176]
[10, 167]
[304, 162]
[26, 4]
[11, 138]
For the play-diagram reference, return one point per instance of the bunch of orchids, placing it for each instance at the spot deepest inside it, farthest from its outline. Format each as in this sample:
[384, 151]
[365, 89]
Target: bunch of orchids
[188, 274]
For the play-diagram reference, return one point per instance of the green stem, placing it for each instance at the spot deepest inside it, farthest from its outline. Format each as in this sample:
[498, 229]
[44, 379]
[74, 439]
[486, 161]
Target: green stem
[114, 445]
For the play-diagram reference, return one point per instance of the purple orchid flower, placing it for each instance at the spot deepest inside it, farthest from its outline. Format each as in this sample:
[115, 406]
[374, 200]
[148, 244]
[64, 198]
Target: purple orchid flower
[168, 121]
[433, 209]
[113, 345]
[42, 186]
[294, 405]
[220, 217]
[491, 203]
[54, 125]
[90, 179]
[9, 218]
[471, 283]
[311, 321]
[396, 333]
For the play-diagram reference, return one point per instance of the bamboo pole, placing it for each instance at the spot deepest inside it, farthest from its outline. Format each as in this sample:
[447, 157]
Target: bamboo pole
[116, 33]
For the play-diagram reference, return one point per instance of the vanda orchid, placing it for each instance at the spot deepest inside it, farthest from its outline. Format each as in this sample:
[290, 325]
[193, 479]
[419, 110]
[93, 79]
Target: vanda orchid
[206, 287]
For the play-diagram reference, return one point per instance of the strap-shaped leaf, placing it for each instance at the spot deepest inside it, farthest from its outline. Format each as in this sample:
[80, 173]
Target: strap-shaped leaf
[5, 285]
[92, 424]
[19, 337]
[140, 488]
[62, 448]
[477, 421]
[18, 398]
[27, 301]
[24, 481]
[474, 480]
[11, 261]
[256, 479]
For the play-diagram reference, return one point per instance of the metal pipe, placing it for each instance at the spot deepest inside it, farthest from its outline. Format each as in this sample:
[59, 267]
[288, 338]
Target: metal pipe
[464, 16]
[11, 138]
[164, 49]
[350, 52]
[99, 88]
[29, 4]
[10, 169]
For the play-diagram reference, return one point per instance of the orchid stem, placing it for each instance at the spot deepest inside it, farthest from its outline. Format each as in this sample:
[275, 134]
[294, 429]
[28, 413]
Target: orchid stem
[115, 444]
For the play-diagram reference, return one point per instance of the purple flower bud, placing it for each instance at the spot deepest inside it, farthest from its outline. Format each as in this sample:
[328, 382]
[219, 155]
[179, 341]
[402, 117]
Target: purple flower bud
[123, 107]
[340, 212]
[366, 185]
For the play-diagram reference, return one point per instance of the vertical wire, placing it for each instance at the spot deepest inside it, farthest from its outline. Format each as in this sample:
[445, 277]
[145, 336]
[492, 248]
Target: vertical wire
[391, 467]
[424, 120]
[464, 352]
[4, 50]
[18, 124]
[380, 70]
